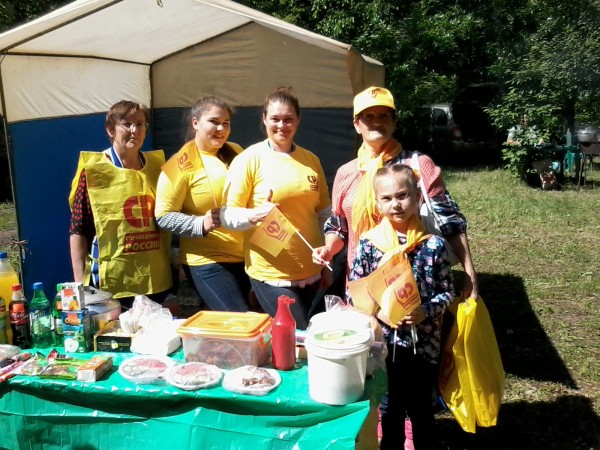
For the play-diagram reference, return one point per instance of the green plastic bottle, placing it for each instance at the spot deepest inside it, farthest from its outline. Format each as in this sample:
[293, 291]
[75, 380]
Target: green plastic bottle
[57, 315]
[40, 316]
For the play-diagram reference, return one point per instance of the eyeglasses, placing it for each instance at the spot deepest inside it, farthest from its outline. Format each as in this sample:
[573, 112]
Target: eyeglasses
[128, 126]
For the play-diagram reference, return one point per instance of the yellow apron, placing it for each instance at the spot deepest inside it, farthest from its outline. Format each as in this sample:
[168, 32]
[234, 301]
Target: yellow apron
[134, 253]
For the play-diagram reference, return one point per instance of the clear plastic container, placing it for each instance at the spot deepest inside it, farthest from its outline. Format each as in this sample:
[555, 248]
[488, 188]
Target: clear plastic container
[227, 339]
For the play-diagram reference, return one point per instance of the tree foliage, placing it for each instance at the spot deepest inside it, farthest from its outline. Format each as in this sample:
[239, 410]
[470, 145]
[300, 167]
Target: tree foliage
[15, 12]
[543, 53]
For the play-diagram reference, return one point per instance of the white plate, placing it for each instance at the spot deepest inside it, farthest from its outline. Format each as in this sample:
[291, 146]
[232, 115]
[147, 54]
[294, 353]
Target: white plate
[234, 381]
[193, 375]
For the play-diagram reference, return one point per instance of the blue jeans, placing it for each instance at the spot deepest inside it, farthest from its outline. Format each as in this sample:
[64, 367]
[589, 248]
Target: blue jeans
[267, 297]
[222, 286]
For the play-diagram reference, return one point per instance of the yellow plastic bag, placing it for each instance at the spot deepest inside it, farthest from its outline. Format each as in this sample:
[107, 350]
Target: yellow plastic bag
[471, 372]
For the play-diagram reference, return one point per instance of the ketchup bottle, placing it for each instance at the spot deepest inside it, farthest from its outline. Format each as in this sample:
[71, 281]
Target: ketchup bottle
[284, 335]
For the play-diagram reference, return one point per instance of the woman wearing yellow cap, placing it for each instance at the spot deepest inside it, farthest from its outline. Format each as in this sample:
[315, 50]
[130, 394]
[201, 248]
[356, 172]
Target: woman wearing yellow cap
[353, 206]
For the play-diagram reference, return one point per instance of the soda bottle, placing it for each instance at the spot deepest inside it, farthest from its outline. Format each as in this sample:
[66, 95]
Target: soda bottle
[40, 318]
[4, 322]
[19, 317]
[57, 315]
[283, 334]
[8, 277]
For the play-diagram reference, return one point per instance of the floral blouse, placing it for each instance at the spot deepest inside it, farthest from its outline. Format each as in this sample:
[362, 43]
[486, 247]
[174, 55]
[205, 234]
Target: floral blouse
[431, 267]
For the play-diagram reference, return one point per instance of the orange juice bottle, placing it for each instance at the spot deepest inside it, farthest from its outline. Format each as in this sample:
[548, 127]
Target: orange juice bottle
[8, 277]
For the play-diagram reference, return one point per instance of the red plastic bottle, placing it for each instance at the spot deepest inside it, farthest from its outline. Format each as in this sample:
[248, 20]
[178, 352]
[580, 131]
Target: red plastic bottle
[284, 335]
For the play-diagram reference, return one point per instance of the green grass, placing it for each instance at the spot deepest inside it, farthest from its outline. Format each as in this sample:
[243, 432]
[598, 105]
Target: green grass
[537, 254]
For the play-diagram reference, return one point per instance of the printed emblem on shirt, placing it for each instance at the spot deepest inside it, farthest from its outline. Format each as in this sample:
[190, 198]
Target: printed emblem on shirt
[314, 183]
[184, 162]
[139, 213]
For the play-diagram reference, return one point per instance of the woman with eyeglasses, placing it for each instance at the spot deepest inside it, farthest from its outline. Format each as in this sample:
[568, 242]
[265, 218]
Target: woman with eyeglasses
[188, 203]
[278, 173]
[114, 236]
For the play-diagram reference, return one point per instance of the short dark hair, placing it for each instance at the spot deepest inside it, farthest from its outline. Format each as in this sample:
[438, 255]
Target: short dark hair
[123, 110]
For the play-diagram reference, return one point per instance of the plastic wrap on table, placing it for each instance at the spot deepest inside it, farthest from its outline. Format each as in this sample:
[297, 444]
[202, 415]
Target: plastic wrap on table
[59, 414]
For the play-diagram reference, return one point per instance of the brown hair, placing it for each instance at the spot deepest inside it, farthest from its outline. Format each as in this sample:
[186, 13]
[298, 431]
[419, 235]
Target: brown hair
[123, 110]
[201, 107]
[282, 95]
[405, 173]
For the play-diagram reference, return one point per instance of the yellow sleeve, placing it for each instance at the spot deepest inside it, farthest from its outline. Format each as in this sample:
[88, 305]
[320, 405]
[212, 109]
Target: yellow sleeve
[239, 187]
[170, 194]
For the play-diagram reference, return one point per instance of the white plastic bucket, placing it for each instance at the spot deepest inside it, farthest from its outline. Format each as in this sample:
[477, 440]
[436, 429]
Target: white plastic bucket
[337, 364]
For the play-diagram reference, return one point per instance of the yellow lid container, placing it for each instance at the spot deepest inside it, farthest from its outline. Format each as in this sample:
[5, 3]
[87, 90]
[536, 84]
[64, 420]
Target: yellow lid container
[225, 324]
[227, 339]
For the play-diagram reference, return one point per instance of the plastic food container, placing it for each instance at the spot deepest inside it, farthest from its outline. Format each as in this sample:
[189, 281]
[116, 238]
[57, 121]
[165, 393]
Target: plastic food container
[227, 339]
[337, 364]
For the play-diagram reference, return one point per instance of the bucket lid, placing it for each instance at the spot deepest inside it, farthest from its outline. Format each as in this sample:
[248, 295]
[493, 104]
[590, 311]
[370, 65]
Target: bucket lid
[226, 324]
[342, 339]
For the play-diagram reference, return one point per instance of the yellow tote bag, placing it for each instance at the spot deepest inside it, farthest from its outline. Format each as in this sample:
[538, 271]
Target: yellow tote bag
[471, 372]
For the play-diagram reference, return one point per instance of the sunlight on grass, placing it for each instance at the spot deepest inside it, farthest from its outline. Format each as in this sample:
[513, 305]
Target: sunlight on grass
[549, 240]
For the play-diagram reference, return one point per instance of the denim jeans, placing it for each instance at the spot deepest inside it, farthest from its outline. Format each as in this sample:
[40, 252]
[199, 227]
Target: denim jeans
[267, 297]
[410, 381]
[222, 286]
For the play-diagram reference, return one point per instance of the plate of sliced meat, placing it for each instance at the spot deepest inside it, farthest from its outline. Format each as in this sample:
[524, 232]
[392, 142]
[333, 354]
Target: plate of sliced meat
[144, 369]
[251, 380]
[193, 375]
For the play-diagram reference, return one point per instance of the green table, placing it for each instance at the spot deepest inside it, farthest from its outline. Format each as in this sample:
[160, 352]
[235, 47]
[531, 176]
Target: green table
[116, 414]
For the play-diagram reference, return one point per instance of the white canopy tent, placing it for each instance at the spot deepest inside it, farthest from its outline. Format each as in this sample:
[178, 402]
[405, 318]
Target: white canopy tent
[60, 73]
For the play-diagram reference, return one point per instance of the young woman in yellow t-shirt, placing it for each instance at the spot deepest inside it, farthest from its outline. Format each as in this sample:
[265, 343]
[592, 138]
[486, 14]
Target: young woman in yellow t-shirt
[188, 203]
[277, 172]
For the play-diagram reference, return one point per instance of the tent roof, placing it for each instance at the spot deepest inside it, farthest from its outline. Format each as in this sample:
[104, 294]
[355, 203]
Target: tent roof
[111, 34]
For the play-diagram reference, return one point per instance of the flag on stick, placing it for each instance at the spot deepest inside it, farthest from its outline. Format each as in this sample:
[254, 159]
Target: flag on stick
[274, 233]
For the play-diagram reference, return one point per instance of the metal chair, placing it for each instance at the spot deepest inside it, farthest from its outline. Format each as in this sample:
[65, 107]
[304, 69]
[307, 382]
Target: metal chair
[587, 151]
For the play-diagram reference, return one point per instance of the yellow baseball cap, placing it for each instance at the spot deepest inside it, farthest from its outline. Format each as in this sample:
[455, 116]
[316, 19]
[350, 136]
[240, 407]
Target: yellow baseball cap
[373, 96]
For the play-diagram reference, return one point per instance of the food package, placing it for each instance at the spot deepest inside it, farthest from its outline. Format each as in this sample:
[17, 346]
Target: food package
[94, 368]
[72, 296]
[77, 331]
[158, 337]
[251, 380]
[111, 338]
[144, 369]
[193, 376]
[8, 351]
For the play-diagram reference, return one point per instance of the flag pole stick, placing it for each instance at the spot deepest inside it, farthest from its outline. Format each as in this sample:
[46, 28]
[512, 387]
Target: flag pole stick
[312, 249]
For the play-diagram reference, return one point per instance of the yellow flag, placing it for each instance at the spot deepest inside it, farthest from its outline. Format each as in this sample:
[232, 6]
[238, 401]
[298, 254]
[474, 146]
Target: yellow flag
[392, 285]
[274, 233]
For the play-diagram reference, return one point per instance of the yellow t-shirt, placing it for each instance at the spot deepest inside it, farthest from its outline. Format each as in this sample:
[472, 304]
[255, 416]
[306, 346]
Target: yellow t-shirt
[192, 182]
[299, 187]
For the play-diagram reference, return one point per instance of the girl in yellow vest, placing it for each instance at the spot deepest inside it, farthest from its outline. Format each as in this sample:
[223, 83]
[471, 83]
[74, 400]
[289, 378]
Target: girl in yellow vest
[112, 197]
[188, 203]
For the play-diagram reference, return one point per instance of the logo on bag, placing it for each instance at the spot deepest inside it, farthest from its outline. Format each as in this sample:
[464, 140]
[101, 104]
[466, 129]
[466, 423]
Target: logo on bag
[139, 211]
[407, 296]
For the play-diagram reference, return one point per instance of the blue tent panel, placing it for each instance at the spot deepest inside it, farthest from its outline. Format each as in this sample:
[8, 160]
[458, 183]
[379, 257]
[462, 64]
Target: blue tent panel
[42, 202]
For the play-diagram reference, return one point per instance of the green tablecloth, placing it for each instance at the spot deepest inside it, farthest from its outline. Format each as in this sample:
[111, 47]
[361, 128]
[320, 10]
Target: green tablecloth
[114, 413]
